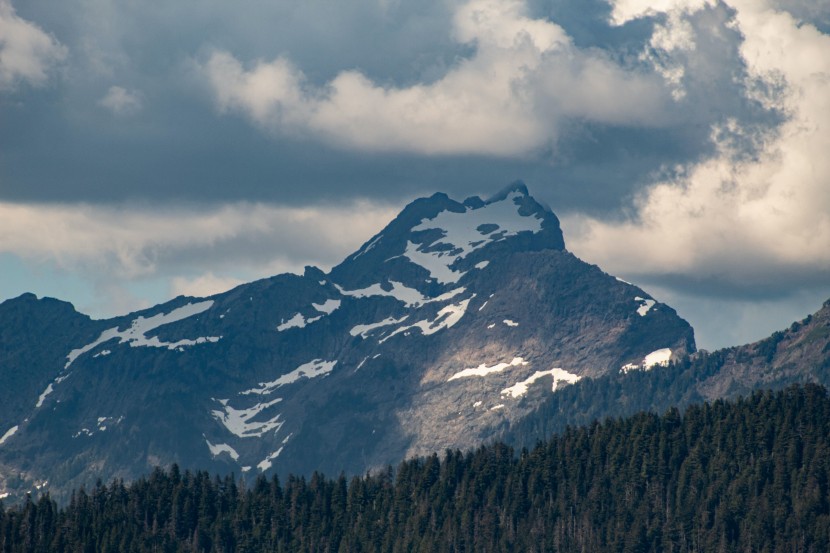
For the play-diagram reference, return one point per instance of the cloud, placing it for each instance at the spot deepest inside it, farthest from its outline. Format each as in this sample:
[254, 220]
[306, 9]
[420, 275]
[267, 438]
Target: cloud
[509, 98]
[27, 53]
[130, 242]
[746, 219]
[203, 285]
[121, 101]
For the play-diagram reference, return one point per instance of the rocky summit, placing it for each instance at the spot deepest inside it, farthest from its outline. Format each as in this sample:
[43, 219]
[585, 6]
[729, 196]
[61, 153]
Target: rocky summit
[441, 331]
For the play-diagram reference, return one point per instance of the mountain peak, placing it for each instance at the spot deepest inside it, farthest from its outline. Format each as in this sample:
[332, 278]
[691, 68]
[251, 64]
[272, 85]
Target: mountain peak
[516, 188]
[441, 239]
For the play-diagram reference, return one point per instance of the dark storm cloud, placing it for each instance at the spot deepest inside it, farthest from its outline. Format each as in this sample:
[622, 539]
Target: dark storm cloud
[60, 144]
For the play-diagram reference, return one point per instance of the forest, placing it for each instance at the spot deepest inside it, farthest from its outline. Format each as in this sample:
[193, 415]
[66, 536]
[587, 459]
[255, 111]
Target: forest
[744, 475]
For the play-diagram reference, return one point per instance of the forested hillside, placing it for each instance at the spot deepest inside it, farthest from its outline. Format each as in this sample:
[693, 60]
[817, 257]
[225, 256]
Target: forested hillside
[750, 475]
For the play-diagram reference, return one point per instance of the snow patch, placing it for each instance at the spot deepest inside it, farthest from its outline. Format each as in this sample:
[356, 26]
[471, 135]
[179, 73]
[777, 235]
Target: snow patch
[659, 357]
[493, 325]
[9, 433]
[446, 318]
[218, 449]
[408, 296]
[484, 370]
[481, 264]
[312, 369]
[49, 389]
[499, 406]
[136, 334]
[239, 421]
[265, 464]
[645, 305]
[508, 322]
[328, 307]
[103, 353]
[297, 321]
[520, 388]
[477, 403]
[465, 232]
[364, 330]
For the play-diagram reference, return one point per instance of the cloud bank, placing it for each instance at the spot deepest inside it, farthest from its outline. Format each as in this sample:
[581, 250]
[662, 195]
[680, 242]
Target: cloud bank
[130, 243]
[748, 220]
[507, 99]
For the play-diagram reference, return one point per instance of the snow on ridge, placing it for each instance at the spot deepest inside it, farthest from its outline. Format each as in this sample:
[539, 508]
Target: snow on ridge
[364, 330]
[239, 421]
[218, 449]
[367, 247]
[466, 232]
[559, 375]
[9, 433]
[446, 318]
[135, 335]
[309, 370]
[644, 306]
[484, 370]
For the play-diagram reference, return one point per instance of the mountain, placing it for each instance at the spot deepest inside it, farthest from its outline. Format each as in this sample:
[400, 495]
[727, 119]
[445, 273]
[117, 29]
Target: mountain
[455, 321]
[797, 355]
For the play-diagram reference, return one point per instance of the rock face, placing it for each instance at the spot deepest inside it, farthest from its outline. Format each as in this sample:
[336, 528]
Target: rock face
[454, 321]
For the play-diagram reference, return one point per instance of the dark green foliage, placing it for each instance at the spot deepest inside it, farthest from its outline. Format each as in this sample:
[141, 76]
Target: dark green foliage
[753, 475]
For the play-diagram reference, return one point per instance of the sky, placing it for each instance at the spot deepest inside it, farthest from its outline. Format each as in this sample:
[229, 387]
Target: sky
[150, 149]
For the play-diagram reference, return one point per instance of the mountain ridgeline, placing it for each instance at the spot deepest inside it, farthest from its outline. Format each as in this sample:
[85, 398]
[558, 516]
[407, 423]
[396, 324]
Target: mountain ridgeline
[444, 330]
[799, 354]
[753, 475]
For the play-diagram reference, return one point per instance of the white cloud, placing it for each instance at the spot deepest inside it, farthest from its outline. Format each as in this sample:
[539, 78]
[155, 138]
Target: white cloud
[508, 99]
[26, 51]
[121, 101]
[738, 218]
[204, 285]
[132, 243]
